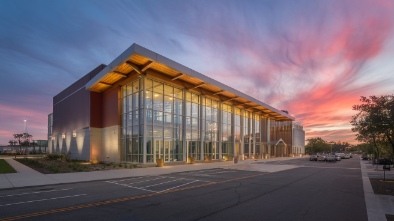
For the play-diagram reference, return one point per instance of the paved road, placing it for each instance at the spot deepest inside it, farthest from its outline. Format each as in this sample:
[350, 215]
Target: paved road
[314, 191]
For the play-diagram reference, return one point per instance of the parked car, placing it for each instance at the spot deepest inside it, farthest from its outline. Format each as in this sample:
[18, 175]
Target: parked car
[347, 156]
[342, 155]
[313, 157]
[338, 158]
[364, 156]
[331, 158]
[321, 157]
[385, 161]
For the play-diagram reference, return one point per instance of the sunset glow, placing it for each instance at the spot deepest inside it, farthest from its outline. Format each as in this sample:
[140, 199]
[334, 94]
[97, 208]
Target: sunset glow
[312, 58]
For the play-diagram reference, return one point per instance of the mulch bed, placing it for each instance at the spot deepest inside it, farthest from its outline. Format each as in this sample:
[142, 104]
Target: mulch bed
[57, 166]
[382, 187]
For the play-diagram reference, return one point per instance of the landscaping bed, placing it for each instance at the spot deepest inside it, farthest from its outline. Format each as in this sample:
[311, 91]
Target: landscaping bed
[382, 187]
[57, 163]
[5, 167]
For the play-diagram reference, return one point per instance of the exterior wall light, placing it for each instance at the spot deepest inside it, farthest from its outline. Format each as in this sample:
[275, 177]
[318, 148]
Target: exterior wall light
[63, 135]
[74, 133]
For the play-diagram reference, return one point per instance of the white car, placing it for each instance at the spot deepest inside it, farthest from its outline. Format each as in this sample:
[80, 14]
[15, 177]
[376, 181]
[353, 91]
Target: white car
[321, 157]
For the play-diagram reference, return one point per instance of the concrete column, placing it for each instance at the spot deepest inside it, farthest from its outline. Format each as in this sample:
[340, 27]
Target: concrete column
[249, 135]
[185, 149]
[202, 127]
[143, 125]
[220, 130]
[242, 135]
[253, 133]
[269, 136]
[233, 129]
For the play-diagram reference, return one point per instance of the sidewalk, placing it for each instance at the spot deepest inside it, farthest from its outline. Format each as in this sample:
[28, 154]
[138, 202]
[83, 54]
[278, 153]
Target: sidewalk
[377, 205]
[29, 177]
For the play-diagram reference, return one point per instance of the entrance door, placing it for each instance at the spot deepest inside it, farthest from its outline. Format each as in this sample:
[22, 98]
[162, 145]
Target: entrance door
[167, 151]
[158, 145]
[164, 150]
[238, 150]
[193, 149]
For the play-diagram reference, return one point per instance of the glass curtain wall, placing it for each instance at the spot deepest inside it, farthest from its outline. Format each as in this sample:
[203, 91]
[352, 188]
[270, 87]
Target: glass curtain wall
[210, 128]
[247, 132]
[193, 125]
[227, 136]
[164, 121]
[131, 139]
[257, 134]
[237, 131]
[163, 106]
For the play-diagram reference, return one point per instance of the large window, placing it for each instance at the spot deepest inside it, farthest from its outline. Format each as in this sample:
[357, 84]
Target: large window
[193, 125]
[164, 121]
[131, 123]
[163, 109]
[256, 134]
[227, 136]
[237, 131]
[247, 133]
[210, 128]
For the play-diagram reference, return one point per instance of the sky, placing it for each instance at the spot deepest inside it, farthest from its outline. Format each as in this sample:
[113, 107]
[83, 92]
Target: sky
[313, 58]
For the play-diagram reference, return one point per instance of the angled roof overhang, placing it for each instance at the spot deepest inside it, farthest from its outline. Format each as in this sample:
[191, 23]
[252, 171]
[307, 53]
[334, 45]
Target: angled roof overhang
[137, 60]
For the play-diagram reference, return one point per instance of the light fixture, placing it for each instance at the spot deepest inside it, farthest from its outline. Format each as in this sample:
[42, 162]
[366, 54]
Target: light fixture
[74, 133]
[63, 135]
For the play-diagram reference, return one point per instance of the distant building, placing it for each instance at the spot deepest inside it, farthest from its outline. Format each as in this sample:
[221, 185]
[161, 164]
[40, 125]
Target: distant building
[143, 107]
[298, 139]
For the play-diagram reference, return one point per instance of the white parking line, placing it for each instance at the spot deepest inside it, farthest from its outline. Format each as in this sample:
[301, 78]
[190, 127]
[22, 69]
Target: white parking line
[161, 183]
[134, 178]
[204, 171]
[178, 186]
[230, 171]
[20, 194]
[158, 178]
[136, 187]
[32, 201]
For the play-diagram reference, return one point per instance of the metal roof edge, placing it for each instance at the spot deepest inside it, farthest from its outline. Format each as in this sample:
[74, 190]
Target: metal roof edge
[112, 66]
[138, 49]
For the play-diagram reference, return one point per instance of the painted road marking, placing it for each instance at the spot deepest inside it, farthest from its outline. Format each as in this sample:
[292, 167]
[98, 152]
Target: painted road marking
[107, 202]
[157, 184]
[145, 188]
[47, 191]
[32, 201]
[178, 186]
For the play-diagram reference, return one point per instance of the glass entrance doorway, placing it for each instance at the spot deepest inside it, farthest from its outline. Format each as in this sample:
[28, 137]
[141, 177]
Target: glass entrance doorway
[164, 150]
[194, 149]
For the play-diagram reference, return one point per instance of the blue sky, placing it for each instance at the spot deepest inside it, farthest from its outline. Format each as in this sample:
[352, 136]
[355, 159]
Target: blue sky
[314, 58]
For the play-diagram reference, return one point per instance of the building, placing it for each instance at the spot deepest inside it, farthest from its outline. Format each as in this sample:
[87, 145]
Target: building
[143, 107]
[298, 139]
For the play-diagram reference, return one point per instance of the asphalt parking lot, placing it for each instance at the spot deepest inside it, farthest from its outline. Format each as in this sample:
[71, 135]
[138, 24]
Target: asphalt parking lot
[307, 192]
[158, 184]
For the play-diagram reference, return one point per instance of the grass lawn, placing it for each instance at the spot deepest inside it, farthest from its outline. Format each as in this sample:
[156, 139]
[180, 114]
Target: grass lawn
[5, 167]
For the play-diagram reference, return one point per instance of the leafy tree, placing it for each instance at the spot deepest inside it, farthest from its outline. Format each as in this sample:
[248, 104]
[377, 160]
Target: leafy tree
[339, 146]
[23, 139]
[317, 145]
[374, 122]
[19, 137]
[12, 142]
